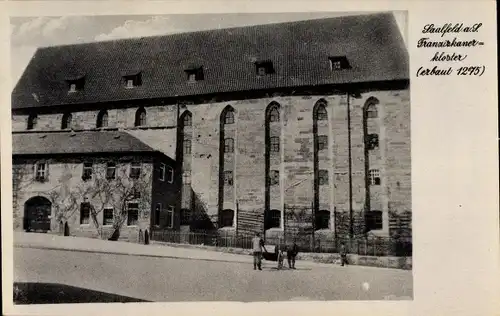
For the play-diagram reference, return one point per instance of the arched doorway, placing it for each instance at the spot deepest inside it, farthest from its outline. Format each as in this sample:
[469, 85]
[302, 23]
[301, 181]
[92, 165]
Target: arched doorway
[146, 237]
[66, 229]
[37, 212]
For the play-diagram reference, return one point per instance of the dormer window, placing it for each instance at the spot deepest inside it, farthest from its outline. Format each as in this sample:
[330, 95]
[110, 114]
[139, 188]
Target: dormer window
[195, 73]
[339, 63]
[131, 81]
[75, 84]
[263, 68]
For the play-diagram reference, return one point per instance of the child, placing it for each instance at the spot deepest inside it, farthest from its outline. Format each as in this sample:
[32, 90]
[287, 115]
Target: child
[280, 258]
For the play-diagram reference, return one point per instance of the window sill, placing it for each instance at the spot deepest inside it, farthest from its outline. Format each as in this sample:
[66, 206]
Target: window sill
[84, 225]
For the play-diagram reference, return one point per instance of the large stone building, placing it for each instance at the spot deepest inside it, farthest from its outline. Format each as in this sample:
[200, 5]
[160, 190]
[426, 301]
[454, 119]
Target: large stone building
[296, 127]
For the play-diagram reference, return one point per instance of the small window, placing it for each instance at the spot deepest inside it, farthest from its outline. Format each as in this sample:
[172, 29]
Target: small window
[170, 174]
[102, 119]
[272, 219]
[132, 214]
[274, 115]
[67, 121]
[374, 177]
[186, 147]
[228, 145]
[274, 177]
[263, 68]
[132, 81]
[322, 177]
[170, 217]
[108, 217]
[41, 171]
[140, 117]
[135, 170]
[322, 219]
[229, 117]
[228, 178]
[185, 216]
[371, 111]
[374, 220]
[87, 171]
[322, 142]
[195, 74]
[75, 85]
[156, 216]
[321, 114]
[135, 193]
[186, 177]
[32, 121]
[227, 218]
[372, 141]
[274, 144]
[162, 171]
[110, 170]
[187, 120]
[84, 213]
[339, 63]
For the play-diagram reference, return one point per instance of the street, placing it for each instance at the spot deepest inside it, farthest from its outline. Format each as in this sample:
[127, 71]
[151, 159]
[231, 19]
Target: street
[171, 279]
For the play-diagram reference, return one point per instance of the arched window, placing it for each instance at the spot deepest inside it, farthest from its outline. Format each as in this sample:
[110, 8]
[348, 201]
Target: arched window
[322, 219]
[140, 117]
[274, 144]
[320, 113]
[66, 121]
[102, 119]
[274, 114]
[228, 116]
[371, 107]
[272, 219]
[227, 218]
[187, 119]
[228, 145]
[32, 121]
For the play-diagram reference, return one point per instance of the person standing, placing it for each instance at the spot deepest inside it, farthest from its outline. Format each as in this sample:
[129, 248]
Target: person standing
[257, 245]
[292, 252]
[343, 255]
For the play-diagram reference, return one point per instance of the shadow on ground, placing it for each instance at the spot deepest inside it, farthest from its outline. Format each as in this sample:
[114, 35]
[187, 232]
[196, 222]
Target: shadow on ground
[52, 293]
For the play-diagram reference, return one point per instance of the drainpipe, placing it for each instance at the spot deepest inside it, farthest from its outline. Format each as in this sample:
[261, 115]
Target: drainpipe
[351, 220]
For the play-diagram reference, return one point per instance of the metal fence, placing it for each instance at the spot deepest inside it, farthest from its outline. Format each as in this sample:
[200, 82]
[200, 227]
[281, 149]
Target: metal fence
[367, 246]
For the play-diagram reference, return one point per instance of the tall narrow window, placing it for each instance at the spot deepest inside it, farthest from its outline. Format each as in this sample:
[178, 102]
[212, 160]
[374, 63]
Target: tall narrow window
[67, 121]
[187, 120]
[135, 170]
[32, 121]
[323, 177]
[372, 141]
[170, 174]
[108, 217]
[227, 218]
[41, 171]
[170, 217]
[87, 171]
[102, 119]
[229, 117]
[228, 145]
[322, 219]
[156, 216]
[186, 146]
[371, 110]
[321, 142]
[374, 175]
[110, 170]
[228, 178]
[274, 114]
[132, 214]
[84, 213]
[162, 172]
[320, 113]
[274, 177]
[140, 117]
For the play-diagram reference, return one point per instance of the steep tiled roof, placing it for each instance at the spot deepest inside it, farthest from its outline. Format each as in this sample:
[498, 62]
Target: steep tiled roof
[299, 51]
[76, 143]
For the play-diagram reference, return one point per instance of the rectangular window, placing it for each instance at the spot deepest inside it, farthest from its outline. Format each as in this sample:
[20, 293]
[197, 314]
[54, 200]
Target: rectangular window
[372, 141]
[339, 63]
[186, 146]
[228, 177]
[170, 217]
[323, 177]
[264, 68]
[41, 171]
[274, 144]
[108, 217]
[84, 213]
[274, 177]
[228, 145]
[135, 193]
[322, 142]
[162, 172]
[87, 171]
[374, 177]
[186, 177]
[110, 170]
[374, 220]
[72, 87]
[132, 214]
[185, 217]
[135, 170]
[195, 74]
[170, 174]
[75, 85]
[156, 216]
[132, 81]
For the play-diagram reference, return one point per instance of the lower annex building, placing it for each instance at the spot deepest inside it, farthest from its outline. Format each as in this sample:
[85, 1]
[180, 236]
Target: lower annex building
[295, 127]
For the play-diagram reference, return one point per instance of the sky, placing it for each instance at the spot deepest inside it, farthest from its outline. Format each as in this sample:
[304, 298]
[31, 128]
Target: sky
[29, 33]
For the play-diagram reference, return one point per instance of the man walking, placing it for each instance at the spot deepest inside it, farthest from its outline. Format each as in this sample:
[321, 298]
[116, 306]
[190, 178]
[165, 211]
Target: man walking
[343, 255]
[257, 245]
[291, 253]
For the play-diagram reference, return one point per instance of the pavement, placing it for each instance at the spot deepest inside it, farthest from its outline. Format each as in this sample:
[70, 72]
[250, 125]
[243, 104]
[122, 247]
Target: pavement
[81, 244]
